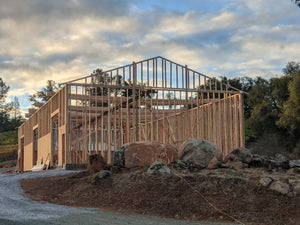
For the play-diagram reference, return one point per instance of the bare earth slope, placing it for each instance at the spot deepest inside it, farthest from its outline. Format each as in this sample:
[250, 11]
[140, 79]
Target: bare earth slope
[136, 192]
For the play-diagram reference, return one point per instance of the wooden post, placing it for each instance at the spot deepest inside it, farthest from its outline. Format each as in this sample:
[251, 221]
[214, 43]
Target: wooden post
[152, 126]
[145, 120]
[89, 132]
[102, 123]
[241, 119]
[96, 123]
[236, 120]
[134, 101]
[67, 123]
[163, 119]
[115, 119]
[85, 124]
[139, 116]
[214, 119]
[120, 123]
[186, 104]
[230, 124]
[219, 129]
[109, 129]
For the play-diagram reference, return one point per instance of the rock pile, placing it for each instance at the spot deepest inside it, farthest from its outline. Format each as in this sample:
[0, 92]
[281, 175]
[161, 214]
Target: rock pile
[196, 154]
[243, 158]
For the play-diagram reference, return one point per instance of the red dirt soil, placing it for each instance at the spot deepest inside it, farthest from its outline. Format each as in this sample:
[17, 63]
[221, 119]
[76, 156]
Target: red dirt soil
[136, 192]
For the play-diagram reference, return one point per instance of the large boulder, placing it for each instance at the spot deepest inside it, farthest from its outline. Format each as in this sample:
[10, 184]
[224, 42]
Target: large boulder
[96, 163]
[201, 153]
[140, 154]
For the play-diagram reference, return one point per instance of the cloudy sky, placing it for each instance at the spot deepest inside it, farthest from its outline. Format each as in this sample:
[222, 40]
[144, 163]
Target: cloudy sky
[62, 40]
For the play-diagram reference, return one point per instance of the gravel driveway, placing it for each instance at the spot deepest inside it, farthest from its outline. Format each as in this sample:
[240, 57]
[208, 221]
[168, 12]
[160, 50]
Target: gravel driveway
[15, 208]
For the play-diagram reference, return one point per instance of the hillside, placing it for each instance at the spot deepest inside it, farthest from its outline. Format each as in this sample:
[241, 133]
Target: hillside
[236, 192]
[9, 138]
[8, 148]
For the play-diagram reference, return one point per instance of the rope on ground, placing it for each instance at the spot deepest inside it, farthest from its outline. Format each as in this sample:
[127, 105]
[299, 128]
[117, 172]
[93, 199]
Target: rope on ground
[205, 199]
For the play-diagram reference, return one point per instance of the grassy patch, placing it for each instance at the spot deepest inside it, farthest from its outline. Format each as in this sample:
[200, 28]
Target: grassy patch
[9, 138]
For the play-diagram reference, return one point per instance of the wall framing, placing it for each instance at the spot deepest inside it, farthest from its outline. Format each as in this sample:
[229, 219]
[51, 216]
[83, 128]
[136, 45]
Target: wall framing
[154, 99]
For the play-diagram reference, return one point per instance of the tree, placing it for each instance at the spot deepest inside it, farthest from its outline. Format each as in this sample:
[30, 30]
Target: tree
[99, 77]
[297, 2]
[3, 91]
[15, 108]
[3, 112]
[291, 68]
[44, 94]
[7, 123]
[263, 116]
[244, 84]
[290, 117]
[275, 107]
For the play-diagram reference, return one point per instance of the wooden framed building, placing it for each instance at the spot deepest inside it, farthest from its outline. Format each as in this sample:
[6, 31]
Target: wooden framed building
[154, 99]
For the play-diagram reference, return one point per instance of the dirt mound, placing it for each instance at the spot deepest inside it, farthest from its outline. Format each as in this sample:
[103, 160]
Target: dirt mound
[234, 192]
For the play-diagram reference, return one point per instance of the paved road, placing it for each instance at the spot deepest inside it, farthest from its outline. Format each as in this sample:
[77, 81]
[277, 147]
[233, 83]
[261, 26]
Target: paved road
[15, 208]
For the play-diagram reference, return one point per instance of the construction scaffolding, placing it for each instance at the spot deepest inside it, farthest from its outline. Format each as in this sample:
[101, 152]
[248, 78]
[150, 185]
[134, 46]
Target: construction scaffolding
[154, 99]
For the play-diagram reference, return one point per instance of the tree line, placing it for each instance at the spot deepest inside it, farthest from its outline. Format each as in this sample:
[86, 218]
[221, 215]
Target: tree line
[272, 106]
[10, 116]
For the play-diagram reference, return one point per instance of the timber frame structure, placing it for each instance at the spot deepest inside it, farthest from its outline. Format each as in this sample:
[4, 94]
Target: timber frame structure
[154, 99]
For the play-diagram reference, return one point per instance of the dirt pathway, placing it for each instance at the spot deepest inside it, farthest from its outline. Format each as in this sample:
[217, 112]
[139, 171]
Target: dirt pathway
[15, 208]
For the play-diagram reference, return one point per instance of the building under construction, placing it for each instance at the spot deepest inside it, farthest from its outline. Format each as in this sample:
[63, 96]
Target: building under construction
[154, 99]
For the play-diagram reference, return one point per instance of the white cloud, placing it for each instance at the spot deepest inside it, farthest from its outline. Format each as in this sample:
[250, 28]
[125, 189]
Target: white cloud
[64, 40]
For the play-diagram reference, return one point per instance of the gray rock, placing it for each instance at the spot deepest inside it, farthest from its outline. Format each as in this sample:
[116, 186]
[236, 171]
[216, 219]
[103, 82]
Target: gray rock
[158, 168]
[282, 161]
[179, 164]
[200, 152]
[294, 163]
[270, 163]
[265, 181]
[280, 158]
[257, 161]
[101, 175]
[278, 162]
[240, 154]
[119, 157]
[280, 187]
